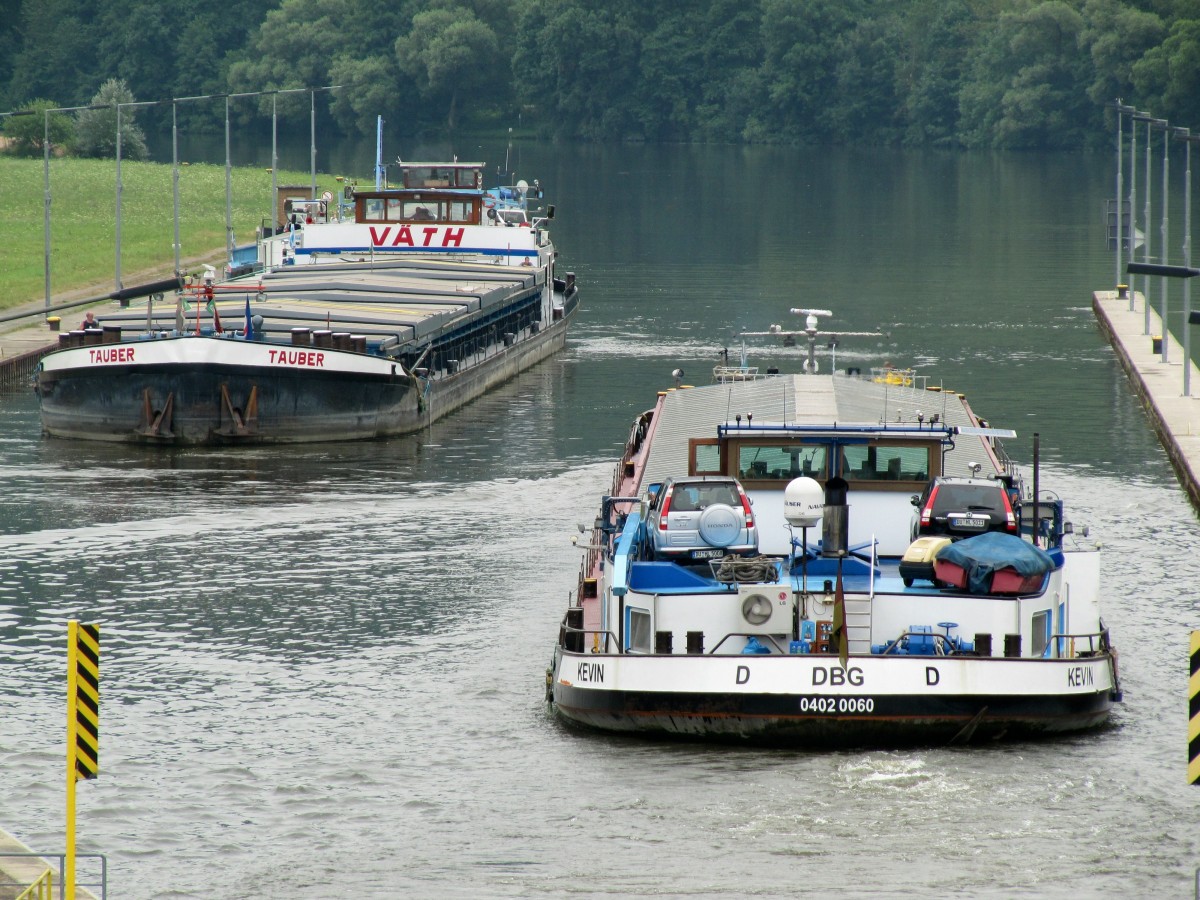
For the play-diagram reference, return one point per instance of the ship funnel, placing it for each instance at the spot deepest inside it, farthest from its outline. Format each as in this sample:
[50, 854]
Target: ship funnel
[835, 525]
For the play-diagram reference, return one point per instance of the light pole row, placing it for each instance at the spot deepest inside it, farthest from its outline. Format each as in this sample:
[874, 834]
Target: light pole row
[1147, 269]
[174, 101]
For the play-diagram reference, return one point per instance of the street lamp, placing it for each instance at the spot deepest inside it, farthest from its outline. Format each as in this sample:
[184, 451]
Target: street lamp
[275, 153]
[1146, 237]
[46, 187]
[1185, 135]
[1133, 120]
[1162, 125]
[120, 186]
[1122, 111]
[229, 173]
[175, 101]
[312, 127]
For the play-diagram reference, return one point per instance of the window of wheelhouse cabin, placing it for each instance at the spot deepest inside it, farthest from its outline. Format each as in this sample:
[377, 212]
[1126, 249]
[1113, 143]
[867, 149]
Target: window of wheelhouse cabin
[456, 177]
[781, 462]
[704, 457]
[887, 462]
[373, 209]
[416, 208]
[461, 212]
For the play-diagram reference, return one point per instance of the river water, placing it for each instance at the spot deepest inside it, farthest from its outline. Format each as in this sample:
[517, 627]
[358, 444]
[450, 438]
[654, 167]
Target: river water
[323, 668]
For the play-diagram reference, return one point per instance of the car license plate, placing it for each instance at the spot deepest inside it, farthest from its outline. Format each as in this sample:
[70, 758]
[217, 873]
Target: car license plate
[708, 554]
[968, 522]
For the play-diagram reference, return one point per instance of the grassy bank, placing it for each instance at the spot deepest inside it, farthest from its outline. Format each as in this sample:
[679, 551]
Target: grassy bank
[83, 219]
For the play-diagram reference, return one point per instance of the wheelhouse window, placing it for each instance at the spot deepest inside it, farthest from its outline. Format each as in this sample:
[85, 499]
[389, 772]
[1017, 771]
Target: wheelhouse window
[373, 210]
[704, 457]
[781, 462]
[415, 208]
[458, 177]
[870, 462]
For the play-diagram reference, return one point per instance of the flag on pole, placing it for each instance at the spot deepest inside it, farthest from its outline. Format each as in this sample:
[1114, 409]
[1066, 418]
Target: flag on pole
[839, 619]
[211, 306]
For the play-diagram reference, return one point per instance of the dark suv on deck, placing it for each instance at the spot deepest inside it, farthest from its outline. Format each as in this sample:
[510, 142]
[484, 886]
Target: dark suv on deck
[962, 507]
[700, 517]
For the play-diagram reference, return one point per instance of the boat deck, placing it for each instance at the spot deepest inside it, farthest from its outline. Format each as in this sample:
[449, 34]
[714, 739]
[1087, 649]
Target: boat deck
[407, 300]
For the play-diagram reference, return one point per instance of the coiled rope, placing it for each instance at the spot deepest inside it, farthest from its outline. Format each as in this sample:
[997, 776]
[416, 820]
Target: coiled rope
[747, 569]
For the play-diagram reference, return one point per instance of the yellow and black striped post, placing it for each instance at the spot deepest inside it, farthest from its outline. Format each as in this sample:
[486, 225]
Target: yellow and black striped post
[83, 726]
[1194, 713]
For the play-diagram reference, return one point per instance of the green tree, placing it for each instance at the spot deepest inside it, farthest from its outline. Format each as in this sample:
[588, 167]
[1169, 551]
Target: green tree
[731, 52]
[1028, 86]
[451, 54]
[1117, 37]
[1167, 77]
[800, 41]
[57, 55]
[578, 67]
[372, 86]
[865, 105]
[27, 134]
[935, 39]
[96, 129]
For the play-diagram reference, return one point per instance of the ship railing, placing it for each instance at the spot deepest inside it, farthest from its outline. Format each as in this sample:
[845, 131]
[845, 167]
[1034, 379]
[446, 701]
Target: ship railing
[726, 374]
[1096, 643]
[938, 644]
[745, 634]
[42, 889]
[574, 639]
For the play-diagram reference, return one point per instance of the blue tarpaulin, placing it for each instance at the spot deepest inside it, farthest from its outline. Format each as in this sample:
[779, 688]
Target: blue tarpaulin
[983, 555]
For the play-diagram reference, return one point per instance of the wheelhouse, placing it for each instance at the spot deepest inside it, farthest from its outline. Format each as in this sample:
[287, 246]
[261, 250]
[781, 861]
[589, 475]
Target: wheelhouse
[431, 193]
[877, 458]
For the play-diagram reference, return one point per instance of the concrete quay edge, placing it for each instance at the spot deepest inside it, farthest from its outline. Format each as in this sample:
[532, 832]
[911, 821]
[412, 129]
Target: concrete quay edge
[1174, 416]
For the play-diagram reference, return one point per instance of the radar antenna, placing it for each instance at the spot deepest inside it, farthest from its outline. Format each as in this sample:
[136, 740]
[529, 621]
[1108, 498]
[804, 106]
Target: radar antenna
[810, 333]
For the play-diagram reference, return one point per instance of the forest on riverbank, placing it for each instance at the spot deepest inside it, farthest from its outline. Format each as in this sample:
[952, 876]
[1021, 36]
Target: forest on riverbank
[1010, 74]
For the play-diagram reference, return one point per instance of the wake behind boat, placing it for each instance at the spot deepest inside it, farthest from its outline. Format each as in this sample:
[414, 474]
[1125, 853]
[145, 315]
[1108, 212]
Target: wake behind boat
[362, 321]
[830, 560]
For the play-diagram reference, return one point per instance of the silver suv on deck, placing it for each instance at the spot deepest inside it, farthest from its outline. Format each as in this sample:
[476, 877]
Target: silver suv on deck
[701, 517]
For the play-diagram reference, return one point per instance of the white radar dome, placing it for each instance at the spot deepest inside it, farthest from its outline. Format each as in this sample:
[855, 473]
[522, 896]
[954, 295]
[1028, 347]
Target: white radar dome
[803, 502]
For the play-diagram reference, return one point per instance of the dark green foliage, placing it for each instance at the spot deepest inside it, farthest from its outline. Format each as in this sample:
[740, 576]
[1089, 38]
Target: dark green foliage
[975, 73]
[96, 130]
[27, 134]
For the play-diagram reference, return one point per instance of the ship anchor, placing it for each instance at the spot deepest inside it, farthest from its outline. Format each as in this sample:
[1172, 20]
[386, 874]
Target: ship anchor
[242, 420]
[156, 424]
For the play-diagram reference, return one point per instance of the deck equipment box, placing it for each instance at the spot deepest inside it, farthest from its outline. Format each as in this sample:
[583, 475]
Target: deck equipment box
[918, 559]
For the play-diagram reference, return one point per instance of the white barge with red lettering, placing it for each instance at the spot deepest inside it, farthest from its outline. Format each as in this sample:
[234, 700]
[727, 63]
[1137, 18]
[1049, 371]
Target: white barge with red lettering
[358, 323]
[830, 560]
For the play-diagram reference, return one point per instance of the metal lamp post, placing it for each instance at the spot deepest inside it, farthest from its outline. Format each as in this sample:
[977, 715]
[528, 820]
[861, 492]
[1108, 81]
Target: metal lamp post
[46, 188]
[274, 148]
[120, 185]
[312, 128]
[1146, 237]
[1166, 130]
[1133, 120]
[175, 165]
[1119, 236]
[1188, 138]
